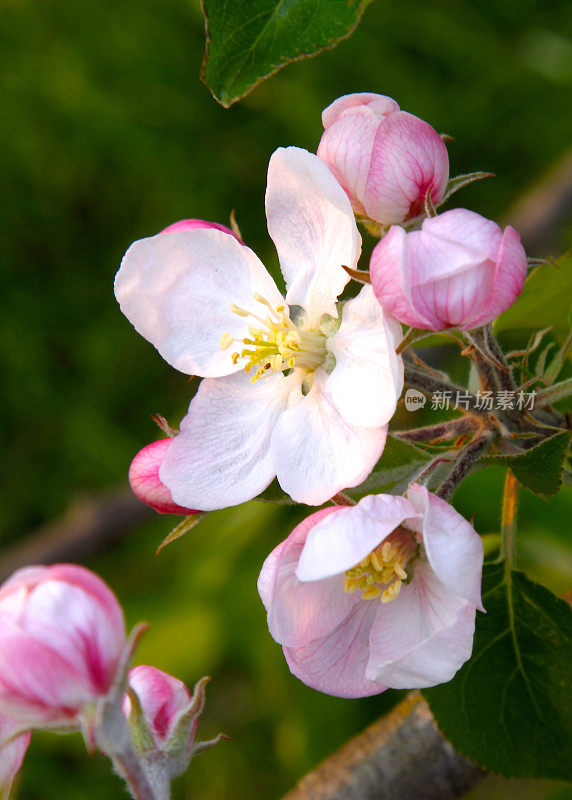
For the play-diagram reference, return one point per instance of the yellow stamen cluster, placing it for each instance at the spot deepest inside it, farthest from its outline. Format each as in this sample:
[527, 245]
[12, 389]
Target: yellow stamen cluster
[383, 567]
[277, 345]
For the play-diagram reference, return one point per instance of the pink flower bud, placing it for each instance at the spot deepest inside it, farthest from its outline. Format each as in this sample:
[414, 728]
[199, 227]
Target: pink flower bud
[194, 224]
[146, 484]
[61, 638]
[163, 699]
[460, 270]
[385, 159]
[12, 752]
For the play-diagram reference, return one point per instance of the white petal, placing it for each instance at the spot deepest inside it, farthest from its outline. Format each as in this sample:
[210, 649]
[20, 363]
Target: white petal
[339, 542]
[176, 289]
[454, 548]
[423, 636]
[222, 455]
[367, 380]
[336, 664]
[317, 453]
[312, 224]
[300, 612]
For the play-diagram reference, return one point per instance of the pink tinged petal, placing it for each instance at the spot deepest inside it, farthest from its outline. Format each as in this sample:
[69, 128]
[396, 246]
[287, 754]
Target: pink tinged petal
[312, 224]
[380, 104]
[423, 636]
[11, 753]
[452, 266]
[367, 380]
[389, 271]
[339, 542]
[453, 547]
[336, 663]
[177, 289]
[145, 483]
[222, 455]
[408, 159]
[346, 147]
[300, 612]
[510, 273]
[194, 224]
[163, 699]
[317, 453]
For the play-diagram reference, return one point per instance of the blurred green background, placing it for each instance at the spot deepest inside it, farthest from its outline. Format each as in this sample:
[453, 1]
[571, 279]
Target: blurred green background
[107, 136]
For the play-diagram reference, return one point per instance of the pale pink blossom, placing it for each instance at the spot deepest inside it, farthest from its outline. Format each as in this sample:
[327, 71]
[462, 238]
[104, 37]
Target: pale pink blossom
[386, 159]
[323, 585]
[12, 752]
[195, 224]
[294, 388]
[61, 638]
[146, 484]
[459, 271]
[163, 699]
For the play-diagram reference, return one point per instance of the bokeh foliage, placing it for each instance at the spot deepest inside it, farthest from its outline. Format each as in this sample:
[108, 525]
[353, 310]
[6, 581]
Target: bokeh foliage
[107, 135]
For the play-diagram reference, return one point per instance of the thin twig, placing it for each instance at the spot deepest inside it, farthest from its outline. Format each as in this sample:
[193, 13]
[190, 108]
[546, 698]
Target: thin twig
[468, 456]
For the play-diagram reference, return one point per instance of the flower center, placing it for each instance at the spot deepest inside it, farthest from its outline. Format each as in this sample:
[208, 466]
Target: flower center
[276, 344]
[382, 573]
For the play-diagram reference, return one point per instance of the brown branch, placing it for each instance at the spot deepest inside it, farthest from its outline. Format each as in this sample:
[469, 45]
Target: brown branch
[541, 214]
[400, 757]
[90, 525]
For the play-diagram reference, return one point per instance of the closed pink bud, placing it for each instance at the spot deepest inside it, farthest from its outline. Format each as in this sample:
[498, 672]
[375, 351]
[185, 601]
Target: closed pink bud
[194, 224]
[12, 752]
[459, 271]
[386, 160]
[62, 634]
[163, 700]
[146, 484]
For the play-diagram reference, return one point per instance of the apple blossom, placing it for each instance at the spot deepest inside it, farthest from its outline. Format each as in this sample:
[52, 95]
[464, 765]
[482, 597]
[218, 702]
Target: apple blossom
[293, 388]
[386, 159]
[12, 752]
[459, 270]
[62, 635]
[323, 585]
[146, 484]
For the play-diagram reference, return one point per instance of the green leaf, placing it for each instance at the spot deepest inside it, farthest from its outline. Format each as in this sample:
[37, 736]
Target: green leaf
[509, 708]
[544, 301]
[399, 464]
[540, 467]
[248, 40]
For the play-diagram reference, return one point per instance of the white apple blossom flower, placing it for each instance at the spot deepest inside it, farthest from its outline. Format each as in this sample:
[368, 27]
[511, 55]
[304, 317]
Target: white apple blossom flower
[293, 388]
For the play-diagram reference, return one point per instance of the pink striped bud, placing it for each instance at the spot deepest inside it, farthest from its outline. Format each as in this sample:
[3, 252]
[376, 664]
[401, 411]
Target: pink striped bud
[460, 270]
[62, 634]
[163, 701]
[146, 484]
[194, 224]
[12, 752]
[386, 160]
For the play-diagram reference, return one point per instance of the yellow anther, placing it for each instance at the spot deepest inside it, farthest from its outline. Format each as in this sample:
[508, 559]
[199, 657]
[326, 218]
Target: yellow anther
[386, 551]
[238, 310]
[280, 308]
[350, 585]
[235, 357]
[291, 362]
[376, 562]
[226, 340]
[371, 592]
[391, 592]
[260, 299]
[400, 572]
